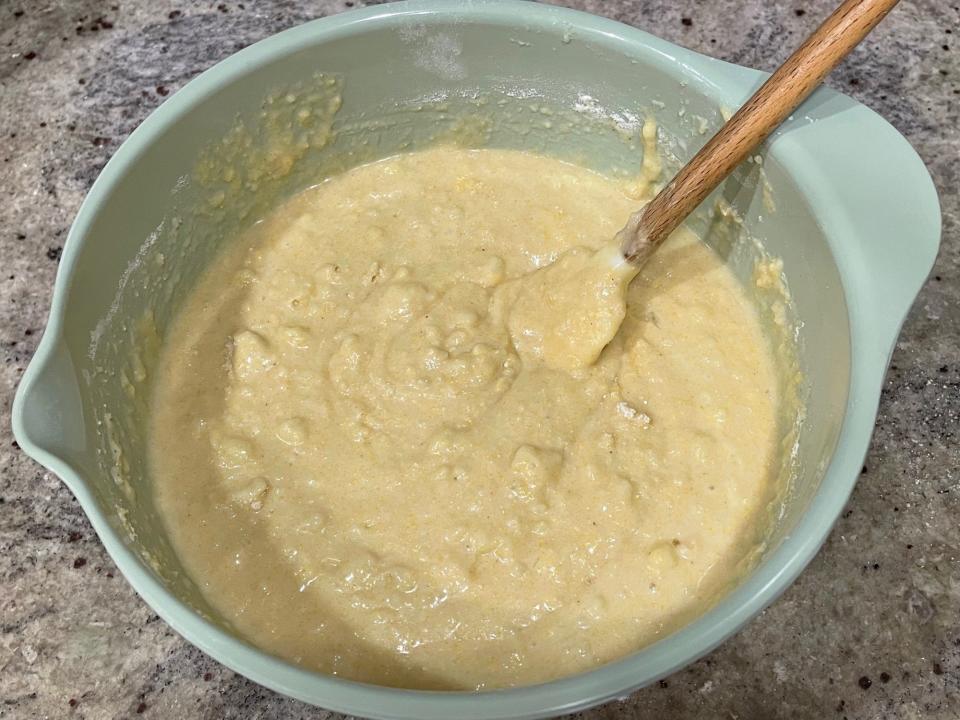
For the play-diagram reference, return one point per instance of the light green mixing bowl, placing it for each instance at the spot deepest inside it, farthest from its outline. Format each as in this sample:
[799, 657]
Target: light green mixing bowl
[854, 217]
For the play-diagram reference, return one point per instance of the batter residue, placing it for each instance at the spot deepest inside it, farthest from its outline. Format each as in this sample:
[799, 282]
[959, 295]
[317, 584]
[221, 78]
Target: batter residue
[376, 463]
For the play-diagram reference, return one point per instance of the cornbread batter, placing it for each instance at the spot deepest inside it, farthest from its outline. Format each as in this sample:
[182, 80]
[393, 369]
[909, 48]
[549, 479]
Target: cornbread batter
[375, 464]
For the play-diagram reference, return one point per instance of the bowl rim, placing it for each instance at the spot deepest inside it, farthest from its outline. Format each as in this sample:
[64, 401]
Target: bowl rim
[872, 340]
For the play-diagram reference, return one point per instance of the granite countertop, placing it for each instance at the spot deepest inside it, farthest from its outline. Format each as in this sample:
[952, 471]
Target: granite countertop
[870, 630]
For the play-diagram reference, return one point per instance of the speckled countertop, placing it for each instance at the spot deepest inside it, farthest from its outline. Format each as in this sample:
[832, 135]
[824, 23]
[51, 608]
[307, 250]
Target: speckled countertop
[871, 630]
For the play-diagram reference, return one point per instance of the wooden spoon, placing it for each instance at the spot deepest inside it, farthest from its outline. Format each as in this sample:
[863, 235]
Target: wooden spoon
[567, 312]
[750, 125]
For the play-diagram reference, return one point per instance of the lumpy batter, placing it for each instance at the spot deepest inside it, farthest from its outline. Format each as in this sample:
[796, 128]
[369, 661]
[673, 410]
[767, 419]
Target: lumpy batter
[373, 465]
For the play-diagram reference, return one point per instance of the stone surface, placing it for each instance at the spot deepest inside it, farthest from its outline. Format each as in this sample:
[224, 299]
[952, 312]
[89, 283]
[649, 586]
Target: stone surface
[870, 630]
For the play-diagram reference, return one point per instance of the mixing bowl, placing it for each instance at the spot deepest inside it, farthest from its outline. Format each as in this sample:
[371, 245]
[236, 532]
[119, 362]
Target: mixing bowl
[838, 195]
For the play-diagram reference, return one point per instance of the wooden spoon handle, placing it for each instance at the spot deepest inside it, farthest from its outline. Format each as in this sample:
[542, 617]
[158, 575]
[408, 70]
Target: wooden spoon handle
[753, 122]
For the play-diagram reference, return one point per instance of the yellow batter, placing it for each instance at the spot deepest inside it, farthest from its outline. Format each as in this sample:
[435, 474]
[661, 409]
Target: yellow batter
[375, 463]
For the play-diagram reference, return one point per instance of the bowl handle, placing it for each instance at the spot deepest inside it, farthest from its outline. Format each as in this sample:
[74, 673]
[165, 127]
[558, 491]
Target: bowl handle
[866, 183]
[869, 186]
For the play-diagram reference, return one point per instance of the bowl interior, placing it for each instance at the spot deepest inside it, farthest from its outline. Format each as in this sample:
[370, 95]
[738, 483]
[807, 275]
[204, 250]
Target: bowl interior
[223, 152]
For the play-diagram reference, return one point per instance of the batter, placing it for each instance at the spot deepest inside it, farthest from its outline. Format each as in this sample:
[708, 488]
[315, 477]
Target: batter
[375, 464]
